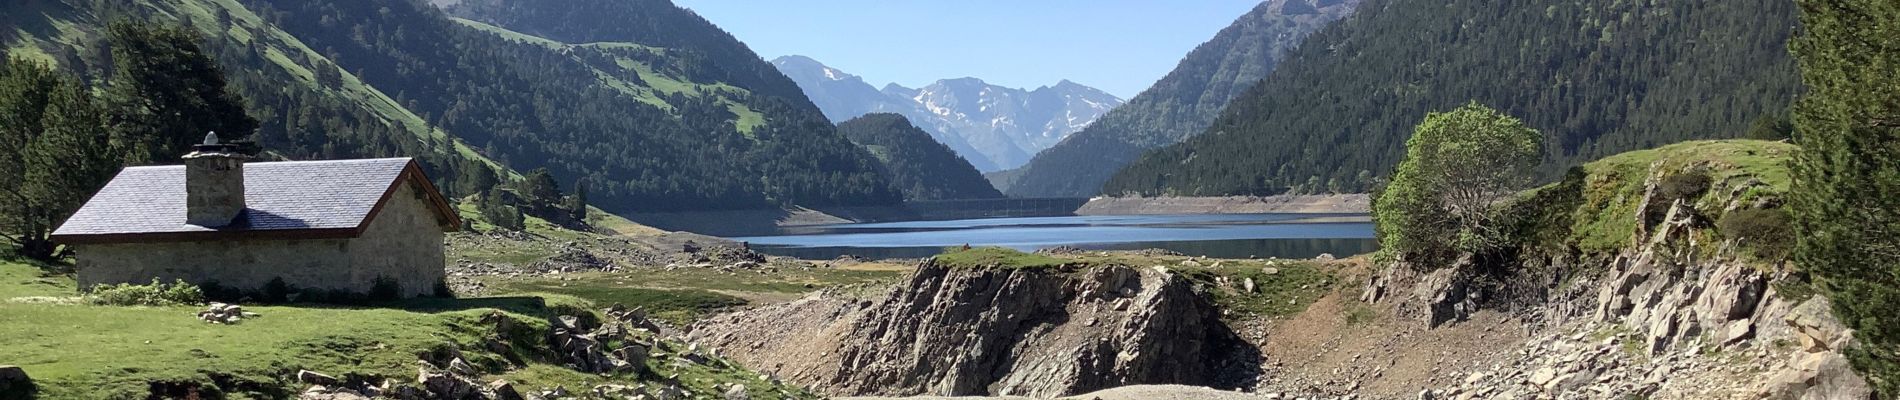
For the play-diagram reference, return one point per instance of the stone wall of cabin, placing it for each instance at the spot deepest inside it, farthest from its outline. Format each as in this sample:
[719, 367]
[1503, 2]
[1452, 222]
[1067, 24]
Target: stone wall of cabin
[403, 244]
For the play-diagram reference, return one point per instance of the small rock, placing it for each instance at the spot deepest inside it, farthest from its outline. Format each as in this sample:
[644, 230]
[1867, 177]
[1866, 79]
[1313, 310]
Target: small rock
[460, 367]
[315, 378]
[504, 390]
[737, 392]
[1543, 376]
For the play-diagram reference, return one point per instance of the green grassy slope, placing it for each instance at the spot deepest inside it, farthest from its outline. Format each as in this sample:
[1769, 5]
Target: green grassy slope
[1596, 211]
[78, 351]
[54, 32]
[643, 80]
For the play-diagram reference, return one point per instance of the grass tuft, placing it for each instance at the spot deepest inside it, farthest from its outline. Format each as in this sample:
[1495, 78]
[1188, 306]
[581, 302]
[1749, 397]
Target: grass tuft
[997, 257]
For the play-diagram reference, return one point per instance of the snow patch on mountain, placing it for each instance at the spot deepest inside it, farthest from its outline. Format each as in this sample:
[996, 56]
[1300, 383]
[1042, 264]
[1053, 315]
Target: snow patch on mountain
[994, 127]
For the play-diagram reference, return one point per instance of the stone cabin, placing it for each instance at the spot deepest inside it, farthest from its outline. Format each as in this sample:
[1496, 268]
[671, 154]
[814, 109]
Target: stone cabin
[333, 226]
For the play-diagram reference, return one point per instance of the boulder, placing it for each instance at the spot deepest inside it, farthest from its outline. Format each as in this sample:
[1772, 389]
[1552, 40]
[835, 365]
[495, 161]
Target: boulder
[316, 378]
[14, 384]
[737, 392]
[442, 385]
[321, 392]
[504, 390]
[1731, 293]
[1569, 382]
[1814, 323]
[1444, 294]
[1543, 376]
[1737, 331]
[220, 313]
[1818, 376]
[459, 367]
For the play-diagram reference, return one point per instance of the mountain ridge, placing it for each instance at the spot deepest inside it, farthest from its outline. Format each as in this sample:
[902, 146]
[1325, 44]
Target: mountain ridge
[1597, 77]
[994, 127]
[1179, 105]
[918, 165]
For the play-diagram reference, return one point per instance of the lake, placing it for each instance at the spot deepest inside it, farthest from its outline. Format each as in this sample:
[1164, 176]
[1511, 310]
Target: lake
[1212, 235]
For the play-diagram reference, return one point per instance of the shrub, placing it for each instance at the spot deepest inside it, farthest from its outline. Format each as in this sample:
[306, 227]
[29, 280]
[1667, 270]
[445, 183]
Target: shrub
[1768, 233]
[1684, 186]
[1457, 165]
[177, 293]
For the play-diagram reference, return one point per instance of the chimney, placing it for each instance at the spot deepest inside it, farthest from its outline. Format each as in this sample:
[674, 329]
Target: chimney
[214, 183]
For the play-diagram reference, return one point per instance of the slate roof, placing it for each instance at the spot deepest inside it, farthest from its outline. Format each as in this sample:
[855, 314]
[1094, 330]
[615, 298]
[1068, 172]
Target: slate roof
[292, 199]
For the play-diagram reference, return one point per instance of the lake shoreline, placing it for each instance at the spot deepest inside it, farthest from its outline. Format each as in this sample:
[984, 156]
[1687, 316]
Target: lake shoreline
[1326, 203]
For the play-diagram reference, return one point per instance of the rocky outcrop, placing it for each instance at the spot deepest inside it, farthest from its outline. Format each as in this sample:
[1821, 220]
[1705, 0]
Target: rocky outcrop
[14, 384]
[1674, 315]
[990, 331]
[226, 314]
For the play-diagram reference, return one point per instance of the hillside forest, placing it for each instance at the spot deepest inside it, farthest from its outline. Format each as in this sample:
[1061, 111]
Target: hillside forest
[1599, 77]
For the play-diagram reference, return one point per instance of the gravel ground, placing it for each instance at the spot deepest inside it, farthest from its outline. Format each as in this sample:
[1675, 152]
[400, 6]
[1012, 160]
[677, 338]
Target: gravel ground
[1134, 392]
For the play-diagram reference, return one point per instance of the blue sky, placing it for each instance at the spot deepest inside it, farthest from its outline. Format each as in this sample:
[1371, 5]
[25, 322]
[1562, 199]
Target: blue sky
[1120, 46]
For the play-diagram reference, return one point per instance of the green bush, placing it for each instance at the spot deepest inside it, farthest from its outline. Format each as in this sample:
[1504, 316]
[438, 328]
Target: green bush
[1684, 186]
[1457, 165]
[1767, 233]
[177, 293]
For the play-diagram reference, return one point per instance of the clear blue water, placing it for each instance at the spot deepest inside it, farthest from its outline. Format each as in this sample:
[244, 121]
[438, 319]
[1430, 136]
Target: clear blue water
[1213, 235]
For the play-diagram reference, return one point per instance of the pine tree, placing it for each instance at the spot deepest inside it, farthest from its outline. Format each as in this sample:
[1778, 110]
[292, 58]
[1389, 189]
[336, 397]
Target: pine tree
[577, 203]
[539, 193]
[62, 155]
[166, 93]
[499, 212]
[1847, 214]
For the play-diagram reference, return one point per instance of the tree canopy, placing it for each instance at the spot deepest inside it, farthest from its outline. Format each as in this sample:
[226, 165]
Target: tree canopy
[61, 145]
[1457, 164]
[1846, 213]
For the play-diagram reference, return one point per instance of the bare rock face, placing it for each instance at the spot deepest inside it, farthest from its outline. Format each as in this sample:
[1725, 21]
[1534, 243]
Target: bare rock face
[994, 331]
[1673, 315]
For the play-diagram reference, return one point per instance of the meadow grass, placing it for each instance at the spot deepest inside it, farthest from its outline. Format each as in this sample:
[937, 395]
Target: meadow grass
[997, 257]
[1614, 186]
[78, 351]
[1281, 287]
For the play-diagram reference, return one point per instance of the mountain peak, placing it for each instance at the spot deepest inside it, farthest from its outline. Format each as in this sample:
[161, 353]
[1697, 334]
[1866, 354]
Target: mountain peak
[797, 64]
[994, 127]
[961, 82]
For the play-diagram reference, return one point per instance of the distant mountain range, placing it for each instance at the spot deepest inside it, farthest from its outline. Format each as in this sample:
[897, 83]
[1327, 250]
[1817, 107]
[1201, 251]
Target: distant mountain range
[1180, 105]
[993, 127]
